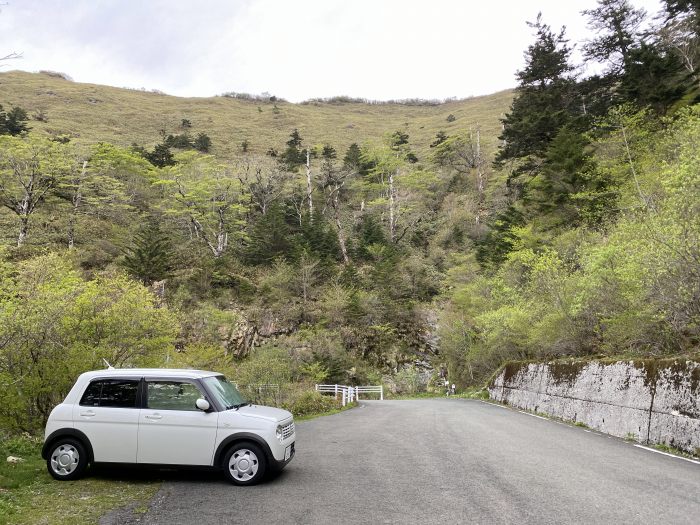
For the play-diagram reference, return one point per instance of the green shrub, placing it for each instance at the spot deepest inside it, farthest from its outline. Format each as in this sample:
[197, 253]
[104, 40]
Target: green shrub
[310, 402]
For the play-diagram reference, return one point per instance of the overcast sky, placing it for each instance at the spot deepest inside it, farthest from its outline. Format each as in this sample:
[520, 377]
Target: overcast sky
[378, 49]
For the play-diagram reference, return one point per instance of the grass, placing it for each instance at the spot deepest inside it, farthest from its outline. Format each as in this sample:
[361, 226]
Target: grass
[327, 413]
[676, 451]
[90, 113]
[28, 495]
[471, 393]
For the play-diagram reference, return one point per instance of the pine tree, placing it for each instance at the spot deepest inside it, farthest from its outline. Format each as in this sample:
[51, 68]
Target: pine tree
[202, 143]
[654, 77]
[616, 23]
[149, 256]
[546, 99]
[293, 156]
[161, 156]
[14, 122]
[353, 158]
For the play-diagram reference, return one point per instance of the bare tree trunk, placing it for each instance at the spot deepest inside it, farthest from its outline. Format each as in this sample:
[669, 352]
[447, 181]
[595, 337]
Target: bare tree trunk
[221, 236]
[392, 205]
[309, 188]
[23, 229]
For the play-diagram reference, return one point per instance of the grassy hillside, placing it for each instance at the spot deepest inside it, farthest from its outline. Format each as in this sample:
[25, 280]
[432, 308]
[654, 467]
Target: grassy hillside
[90, 113]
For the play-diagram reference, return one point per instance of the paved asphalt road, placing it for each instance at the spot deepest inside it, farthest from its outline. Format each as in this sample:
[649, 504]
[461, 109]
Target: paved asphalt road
[447, 461]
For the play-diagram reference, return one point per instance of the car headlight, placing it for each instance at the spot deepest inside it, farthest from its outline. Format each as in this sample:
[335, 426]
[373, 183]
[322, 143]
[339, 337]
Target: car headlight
[279, 432]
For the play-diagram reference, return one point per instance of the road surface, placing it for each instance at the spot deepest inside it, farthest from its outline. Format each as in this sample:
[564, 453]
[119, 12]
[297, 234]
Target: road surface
[447, 461]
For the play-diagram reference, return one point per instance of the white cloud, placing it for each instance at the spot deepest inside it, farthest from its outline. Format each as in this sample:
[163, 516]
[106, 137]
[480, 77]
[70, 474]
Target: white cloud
[378, 49]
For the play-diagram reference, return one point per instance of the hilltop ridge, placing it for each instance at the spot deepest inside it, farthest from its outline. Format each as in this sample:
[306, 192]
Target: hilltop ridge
[91, 113]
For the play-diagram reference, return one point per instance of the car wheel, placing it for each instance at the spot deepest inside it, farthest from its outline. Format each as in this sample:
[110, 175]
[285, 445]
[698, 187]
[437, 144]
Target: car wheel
[67, 460]
[245, 464]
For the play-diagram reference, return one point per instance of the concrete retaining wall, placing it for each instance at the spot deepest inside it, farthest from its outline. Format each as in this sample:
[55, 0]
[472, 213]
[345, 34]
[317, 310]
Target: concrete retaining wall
[651, 401]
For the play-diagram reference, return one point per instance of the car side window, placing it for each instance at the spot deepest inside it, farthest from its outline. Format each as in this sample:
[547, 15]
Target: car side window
[172, 395]
[115, 393]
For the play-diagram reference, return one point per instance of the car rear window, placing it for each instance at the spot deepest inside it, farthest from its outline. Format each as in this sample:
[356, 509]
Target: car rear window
[117, 393]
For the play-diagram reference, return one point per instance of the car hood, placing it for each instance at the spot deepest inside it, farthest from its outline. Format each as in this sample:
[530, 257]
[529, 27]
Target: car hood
[262, 412]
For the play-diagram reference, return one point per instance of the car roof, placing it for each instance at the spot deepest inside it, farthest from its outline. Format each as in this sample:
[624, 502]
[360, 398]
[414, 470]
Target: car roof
[158, 372]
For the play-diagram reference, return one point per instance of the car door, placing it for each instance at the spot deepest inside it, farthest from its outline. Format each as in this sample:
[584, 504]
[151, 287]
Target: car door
[172, 430]
[108, 414]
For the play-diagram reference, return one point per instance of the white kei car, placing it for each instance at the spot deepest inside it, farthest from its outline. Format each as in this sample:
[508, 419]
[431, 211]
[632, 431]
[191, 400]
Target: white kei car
[158, 417]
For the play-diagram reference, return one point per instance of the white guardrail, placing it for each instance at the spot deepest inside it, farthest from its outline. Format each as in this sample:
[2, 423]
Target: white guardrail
[351, 393]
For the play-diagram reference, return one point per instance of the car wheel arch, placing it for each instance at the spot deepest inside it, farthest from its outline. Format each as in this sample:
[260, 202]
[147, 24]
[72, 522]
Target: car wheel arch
[64, 433]
[233, 439]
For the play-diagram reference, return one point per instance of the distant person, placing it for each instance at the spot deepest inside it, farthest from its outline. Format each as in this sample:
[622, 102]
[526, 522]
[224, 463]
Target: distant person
[447, 387]
[453, 389]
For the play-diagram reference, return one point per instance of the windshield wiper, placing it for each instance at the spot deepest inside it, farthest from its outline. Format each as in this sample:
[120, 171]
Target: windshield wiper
[239, 405]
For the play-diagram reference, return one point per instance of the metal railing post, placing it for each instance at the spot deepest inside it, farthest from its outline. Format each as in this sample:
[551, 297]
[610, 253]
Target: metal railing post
[336, 391]
[381, 393]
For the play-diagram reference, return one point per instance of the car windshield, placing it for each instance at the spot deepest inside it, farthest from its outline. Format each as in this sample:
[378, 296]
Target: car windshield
[225, 392]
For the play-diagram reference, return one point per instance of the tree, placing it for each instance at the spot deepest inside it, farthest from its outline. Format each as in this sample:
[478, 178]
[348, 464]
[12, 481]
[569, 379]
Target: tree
[30, 170]
[263, 180]
[332, 181]
[202, 143]
[463, 153]
[208, 196]
[91, 188]
[654, 77]
[616, 24]
[294, 156]
[149, 258]
[545, 100]
[13, 123]
[353, 158]
[440, 137]
[161, 156]
[54, 325]
[567, 190]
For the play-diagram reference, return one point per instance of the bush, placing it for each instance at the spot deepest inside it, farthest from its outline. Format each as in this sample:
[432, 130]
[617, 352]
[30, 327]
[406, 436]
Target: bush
[310, 402]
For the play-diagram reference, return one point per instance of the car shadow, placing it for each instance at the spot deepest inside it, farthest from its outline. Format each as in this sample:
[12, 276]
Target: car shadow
[136, 474]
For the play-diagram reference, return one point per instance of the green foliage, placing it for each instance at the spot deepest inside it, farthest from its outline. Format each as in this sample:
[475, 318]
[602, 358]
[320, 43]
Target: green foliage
[408, 381]
[161, 156]
[631, 290]
[55, 325]
[311, 402]
[202, 143]
[149, 257]
[13, 122]
[544, 101]
[294, 156]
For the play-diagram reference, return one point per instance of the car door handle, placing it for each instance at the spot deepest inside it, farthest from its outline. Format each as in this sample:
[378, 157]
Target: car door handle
[154, 416]
[87, 413]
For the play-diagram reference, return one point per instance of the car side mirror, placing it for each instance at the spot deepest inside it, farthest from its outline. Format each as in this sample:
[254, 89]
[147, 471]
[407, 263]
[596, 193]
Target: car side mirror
[202, 404]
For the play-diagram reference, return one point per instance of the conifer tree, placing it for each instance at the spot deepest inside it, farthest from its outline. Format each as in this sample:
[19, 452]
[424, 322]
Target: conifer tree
[149, 256]
[545, 100]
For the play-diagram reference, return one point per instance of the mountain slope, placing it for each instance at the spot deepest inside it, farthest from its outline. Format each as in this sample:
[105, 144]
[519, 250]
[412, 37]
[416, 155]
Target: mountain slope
[91, 113]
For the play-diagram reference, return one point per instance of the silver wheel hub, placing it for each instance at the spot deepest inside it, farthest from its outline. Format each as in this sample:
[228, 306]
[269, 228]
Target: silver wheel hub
[64, 459]
[243, 464]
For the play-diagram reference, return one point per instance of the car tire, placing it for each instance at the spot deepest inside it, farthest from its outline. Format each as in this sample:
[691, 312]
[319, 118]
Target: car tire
[245, 464]
[67, 459]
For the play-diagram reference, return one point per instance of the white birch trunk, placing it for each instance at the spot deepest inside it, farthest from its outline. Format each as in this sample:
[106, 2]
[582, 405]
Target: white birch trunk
[309, 188]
